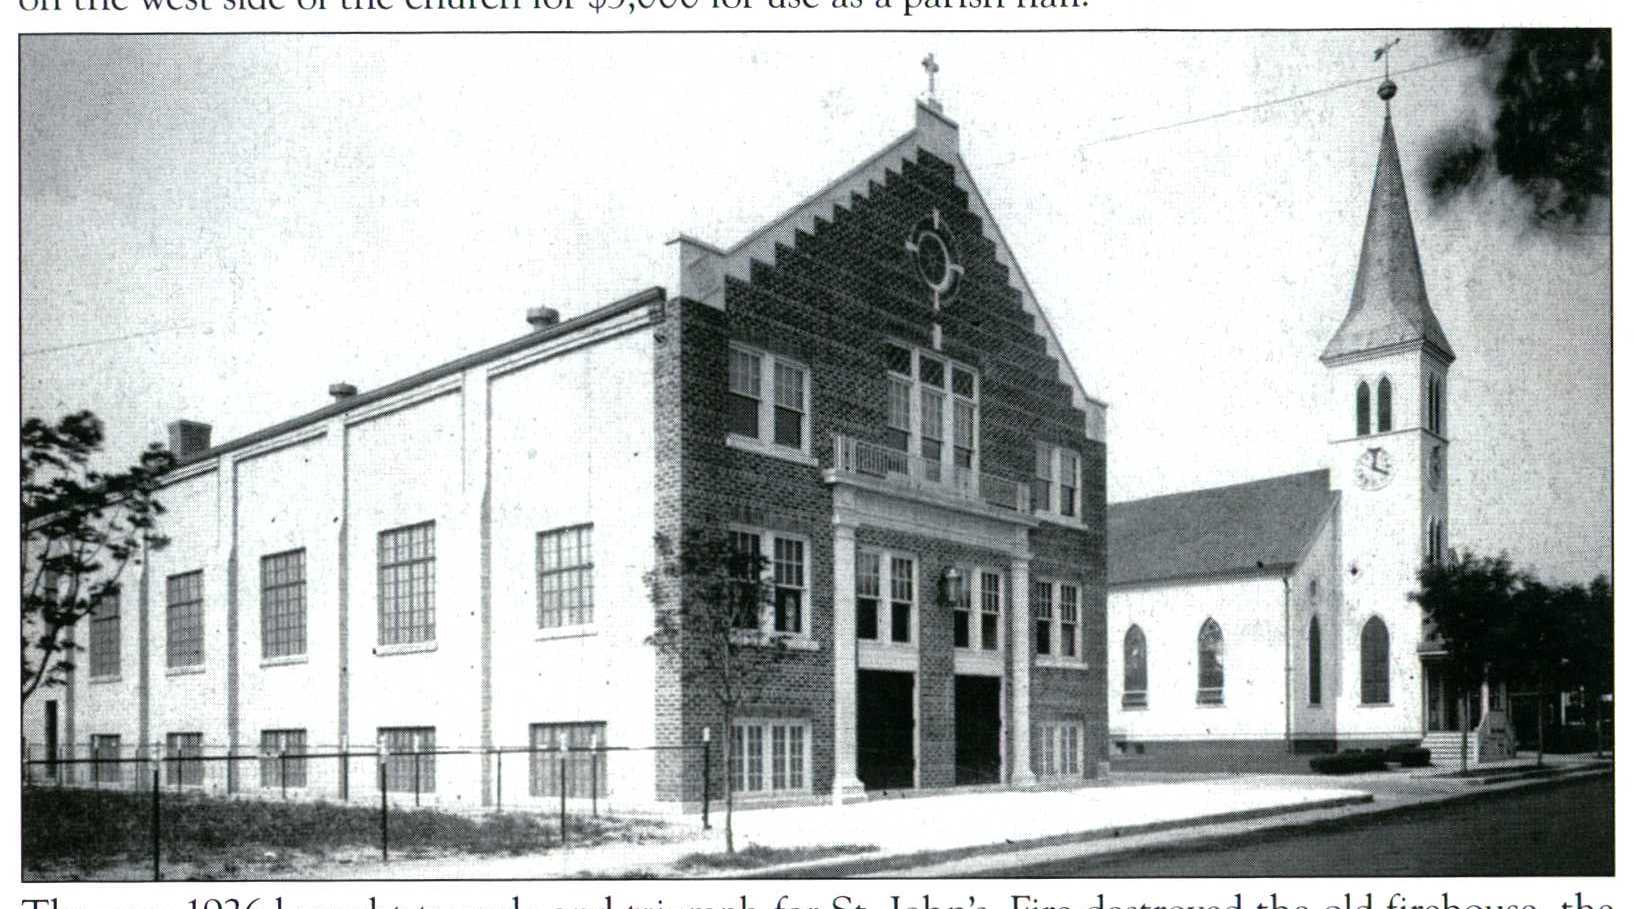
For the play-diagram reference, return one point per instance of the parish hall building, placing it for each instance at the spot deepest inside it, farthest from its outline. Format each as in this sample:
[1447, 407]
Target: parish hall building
[865, 391]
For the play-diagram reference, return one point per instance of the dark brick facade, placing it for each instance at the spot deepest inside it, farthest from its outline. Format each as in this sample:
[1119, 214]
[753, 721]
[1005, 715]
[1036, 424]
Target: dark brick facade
[830, 301]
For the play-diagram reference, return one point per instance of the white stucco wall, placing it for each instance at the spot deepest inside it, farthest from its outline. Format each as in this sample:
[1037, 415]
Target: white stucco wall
[1249, 612]
[573, 444]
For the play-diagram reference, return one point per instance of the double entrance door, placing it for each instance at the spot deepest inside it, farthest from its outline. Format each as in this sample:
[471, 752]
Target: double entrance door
[887, 730]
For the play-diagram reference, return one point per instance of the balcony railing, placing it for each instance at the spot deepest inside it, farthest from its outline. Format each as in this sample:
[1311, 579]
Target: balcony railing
[854, 456]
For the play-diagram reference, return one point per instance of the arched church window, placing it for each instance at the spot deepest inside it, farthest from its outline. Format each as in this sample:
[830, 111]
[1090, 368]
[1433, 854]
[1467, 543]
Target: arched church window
[1313, 660]
[1134, 667]
[1210, 664]
[1375, 662]
[1384, 404]
[1363, 408]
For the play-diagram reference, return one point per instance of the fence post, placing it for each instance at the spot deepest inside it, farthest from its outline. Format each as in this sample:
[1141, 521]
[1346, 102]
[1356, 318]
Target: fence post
[595, 782]
[561, 754]
[499, 782]
[345, 773]
[156, 875]
[385, 854]
[283, 775]
[416, 776]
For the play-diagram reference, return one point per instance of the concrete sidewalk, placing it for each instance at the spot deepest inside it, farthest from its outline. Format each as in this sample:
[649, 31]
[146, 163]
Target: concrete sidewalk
[976, 833]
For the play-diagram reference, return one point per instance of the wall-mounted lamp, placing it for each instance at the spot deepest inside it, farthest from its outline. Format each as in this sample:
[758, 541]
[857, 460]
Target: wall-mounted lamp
[953, 587]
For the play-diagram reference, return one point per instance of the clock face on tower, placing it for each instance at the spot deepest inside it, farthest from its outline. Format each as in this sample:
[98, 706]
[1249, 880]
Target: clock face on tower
[1373, 470]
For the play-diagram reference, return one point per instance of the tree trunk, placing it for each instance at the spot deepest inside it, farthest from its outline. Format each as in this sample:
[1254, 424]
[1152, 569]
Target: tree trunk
[1463, 733]
[726, 768]
[1540, 722]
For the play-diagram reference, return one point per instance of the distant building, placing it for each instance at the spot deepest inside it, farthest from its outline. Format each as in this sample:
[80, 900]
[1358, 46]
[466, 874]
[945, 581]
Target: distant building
[864, 390]
[1271, 617]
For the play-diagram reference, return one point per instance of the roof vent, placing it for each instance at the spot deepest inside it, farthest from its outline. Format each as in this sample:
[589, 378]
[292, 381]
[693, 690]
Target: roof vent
[188, 438]
[340, 391]
[541, 317]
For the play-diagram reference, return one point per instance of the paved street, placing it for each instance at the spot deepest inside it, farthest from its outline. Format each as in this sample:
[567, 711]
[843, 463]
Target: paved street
[1564, 829]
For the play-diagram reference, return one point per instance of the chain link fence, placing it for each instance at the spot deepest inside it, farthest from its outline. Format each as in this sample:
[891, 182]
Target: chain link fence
[172, 798]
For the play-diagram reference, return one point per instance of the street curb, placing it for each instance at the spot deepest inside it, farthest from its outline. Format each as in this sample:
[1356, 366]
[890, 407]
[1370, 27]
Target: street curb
[852, 866]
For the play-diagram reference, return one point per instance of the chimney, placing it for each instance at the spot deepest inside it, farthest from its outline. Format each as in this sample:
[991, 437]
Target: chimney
[542, 317]
[340, 391]
[188, 438]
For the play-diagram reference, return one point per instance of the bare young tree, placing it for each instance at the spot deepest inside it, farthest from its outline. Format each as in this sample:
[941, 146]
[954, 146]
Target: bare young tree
[711, 613]
[81, 528]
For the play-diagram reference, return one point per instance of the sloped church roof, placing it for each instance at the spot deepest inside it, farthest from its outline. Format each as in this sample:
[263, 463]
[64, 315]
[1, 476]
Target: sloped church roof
[1388, 305]
[1226, 530]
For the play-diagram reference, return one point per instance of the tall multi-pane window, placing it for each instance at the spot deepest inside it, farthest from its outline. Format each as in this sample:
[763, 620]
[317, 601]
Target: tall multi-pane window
[1375, 662]
[184, 619]
[1434, 399]
[104, 758]
[411, 765]
[1210, 664]
[1043, 476]
[1043, 617]
[182, 753]
[566, 571]
[283, 604]
[770, 756]
[789, 412]
[964, 418]
[1364, 409]
[746, 550]
[961, 618]
[283, 758]
[1069, 483]
[867, 595]
[570, 753]
[769, 406]
[1069, 621]
[991, 605]
[789, 585]
[902, 601]
[1385, 418]
[408, 584]
[930, 436]
[104, 656]
[1134, 667]
[1313, 661]
[898, 413]
[743, 398]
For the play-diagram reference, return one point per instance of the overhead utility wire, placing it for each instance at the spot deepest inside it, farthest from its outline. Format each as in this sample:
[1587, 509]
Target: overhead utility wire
[137, 334]
[1299, 97]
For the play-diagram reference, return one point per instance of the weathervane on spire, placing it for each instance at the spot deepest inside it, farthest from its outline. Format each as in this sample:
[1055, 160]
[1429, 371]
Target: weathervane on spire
[931, 69]
[1387, 89]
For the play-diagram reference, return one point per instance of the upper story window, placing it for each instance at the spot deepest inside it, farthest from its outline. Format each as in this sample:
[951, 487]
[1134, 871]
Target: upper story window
[1384, 404]
[1210, 663]
[1375, 662]
[902, 600]
[408, 584]
[783, 610]
[976, 617]
[1434, 395]
[932, 409]
[887, 577]
[1057, 478]
[768, 401]
[1134, 667]
[566, 577]
[1364, 410]
[105, 636]
[1057, 624]
[184, 619]
[283, 604]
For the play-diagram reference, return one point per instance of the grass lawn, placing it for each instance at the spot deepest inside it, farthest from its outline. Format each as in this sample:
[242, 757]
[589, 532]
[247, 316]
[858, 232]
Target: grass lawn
[70, 832]
[764, 856]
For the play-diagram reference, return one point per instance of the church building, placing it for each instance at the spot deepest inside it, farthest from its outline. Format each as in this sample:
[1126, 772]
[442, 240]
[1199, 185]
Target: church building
[865, 392]
[1273, 617]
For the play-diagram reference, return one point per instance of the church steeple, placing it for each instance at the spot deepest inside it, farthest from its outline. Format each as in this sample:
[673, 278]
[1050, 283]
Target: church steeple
[1388, 306]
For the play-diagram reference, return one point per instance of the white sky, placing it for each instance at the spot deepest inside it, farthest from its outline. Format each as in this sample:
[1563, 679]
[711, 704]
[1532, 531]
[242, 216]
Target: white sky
[318, 209]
